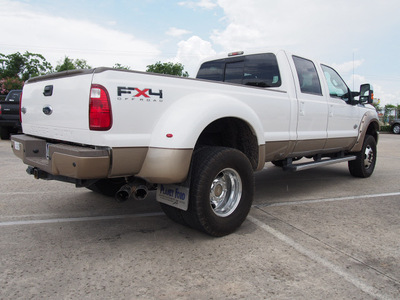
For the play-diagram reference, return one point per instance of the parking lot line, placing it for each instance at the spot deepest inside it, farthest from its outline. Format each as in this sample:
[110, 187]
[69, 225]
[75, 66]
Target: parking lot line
[328, 199]
[79, 219]
[320, 260]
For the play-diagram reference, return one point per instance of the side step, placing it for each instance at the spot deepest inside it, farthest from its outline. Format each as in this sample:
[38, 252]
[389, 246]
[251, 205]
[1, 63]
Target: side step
[305, 166]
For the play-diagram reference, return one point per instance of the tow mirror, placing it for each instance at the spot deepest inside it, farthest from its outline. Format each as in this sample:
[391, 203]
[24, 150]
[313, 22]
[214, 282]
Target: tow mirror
[366, 93]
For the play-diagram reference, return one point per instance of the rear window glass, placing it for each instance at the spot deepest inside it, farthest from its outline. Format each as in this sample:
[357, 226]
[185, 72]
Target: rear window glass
[256, 70]
[13, 96]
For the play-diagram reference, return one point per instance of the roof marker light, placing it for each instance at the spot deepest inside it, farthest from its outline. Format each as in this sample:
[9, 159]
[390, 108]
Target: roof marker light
[236, 53]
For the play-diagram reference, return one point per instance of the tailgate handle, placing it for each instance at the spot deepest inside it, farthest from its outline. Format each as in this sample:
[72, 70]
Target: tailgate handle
[48, 90]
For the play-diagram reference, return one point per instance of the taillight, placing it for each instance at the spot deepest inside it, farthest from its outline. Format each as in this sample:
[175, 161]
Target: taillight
[20, 106]
[100, 115]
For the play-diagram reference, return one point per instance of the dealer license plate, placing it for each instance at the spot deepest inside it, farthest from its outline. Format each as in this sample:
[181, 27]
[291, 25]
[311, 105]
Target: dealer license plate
[17, 145]
[173, 195]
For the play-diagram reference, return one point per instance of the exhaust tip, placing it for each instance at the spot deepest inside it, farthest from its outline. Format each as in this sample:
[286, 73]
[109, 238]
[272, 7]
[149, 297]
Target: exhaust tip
[123, 194]
[134, 190]
[140, 193]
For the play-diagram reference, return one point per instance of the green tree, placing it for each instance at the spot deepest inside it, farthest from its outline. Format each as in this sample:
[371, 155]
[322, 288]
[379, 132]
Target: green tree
[10, 83]
[16, 68]
[377, 106]
[398, 111]
[121, 67]
[72, 64]
[387, 114]
[168, 68]
[24, 65]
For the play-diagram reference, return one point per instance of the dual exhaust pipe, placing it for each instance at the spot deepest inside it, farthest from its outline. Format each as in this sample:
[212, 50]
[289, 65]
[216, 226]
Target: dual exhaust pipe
[136, 189]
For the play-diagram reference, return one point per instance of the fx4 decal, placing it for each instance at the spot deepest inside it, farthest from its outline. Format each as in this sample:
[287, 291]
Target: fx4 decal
[132, 93]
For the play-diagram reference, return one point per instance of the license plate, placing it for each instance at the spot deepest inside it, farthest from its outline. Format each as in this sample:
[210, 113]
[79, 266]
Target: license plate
[17, 146]
[173, 195]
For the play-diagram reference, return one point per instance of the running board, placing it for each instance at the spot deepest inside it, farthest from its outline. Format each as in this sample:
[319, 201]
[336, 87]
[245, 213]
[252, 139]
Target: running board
[318, 163]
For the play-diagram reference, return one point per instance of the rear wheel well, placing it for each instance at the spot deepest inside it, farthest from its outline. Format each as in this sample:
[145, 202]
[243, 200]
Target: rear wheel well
[232, 133]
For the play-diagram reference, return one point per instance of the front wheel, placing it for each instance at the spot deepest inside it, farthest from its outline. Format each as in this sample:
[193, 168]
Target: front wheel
[363, 166]
[396, 128]
[221, 190]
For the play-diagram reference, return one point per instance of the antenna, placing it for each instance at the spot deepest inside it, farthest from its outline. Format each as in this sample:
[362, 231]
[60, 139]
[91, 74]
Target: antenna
[353, 70]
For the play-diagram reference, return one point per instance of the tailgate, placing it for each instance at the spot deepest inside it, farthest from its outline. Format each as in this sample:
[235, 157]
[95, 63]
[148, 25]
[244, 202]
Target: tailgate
[56, 106]
[9, 110]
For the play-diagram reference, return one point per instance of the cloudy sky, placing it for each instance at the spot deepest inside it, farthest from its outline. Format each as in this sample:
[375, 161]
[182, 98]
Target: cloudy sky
[360, 38]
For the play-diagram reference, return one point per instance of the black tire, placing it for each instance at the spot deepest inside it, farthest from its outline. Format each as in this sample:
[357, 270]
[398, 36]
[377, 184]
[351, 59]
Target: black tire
[175, 214]
[364, 164]
[396, 128]
[217, 172]
[107, 187]
[4, 133]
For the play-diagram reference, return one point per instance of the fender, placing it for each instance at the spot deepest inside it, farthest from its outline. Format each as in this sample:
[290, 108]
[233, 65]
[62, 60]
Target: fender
[175, 135]
[188, 117]
[368, 118]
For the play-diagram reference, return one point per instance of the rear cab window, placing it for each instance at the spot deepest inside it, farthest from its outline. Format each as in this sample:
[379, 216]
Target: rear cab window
[307, 75]
[259, 70]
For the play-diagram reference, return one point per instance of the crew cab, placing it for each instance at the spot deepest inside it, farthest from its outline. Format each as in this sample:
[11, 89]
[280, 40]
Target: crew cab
[9, 114]
[196, 141]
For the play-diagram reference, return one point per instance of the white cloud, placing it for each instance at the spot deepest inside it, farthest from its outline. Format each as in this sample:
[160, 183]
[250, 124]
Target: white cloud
[348, 66]
[191, 52]
[324, 30]
[56, 37]
[205, 4]
[304, 25]
[176, 32]
[387, 94]
[111, 23]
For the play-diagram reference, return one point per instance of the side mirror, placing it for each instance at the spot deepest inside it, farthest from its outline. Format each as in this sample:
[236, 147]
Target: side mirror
[366, 93]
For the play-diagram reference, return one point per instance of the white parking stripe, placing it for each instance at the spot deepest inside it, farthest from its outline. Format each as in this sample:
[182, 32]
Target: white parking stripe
[312, 255]
[328, 199]
[27, 193]
[80, 219]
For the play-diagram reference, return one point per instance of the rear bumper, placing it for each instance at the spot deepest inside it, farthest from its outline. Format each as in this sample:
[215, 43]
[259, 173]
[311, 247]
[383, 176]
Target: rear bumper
[155, 165]
[61, 159]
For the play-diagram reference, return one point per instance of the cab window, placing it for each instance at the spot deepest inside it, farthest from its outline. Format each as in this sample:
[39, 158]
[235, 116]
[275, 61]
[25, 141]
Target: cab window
[234, 72]
[212, 70]
[308, 76]
[337, 87]
[256, 70]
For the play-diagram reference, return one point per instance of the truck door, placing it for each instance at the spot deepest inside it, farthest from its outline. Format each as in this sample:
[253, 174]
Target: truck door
[312, 108]
[344, 118]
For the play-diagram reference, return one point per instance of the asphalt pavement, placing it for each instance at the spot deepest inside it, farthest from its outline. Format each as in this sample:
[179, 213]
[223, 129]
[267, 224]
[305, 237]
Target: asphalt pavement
[314, 234]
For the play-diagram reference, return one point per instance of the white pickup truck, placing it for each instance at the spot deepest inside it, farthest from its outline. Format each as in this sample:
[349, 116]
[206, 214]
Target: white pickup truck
[197, 141]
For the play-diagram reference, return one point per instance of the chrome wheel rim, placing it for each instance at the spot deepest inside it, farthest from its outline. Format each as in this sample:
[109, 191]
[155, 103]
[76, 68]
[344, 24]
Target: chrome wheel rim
[369, 157]
[225, 192]
[396, 129]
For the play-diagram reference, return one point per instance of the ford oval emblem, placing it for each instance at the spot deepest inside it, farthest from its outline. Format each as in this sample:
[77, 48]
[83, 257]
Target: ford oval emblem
[47, 110]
